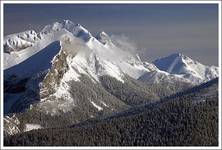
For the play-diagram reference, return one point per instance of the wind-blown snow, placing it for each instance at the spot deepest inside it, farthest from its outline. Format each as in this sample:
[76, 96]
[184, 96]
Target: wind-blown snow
[90, 61]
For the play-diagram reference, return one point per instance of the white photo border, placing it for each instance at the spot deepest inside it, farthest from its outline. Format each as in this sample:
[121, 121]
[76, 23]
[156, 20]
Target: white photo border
[111, 2]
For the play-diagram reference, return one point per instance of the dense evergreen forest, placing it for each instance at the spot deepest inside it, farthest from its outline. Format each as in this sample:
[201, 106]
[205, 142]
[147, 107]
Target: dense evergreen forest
[186, 119]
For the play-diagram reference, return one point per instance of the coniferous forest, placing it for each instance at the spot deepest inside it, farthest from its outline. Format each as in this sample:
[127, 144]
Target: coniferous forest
[184, 119]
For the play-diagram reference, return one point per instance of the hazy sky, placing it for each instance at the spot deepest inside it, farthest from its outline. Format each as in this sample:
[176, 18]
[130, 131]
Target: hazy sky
[157, 29]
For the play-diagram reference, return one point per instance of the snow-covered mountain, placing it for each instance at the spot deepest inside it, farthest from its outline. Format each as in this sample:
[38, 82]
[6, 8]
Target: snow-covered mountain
[65, 71]
[114, 61]
[20, 46]
[108, 54]
[179, 64]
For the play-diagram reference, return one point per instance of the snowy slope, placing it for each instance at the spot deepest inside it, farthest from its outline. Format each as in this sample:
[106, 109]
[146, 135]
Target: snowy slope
[19, 41]
[16, 57]
[180, 64]
[20, 46]
[127, 62]
[36, 63]
[158, 76]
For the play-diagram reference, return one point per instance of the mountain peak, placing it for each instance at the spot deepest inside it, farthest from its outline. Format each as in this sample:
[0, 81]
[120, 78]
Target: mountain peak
[177, 55]
[57, 26]
[67, 25]
[180, 64]
[67, 22]
[175, 63]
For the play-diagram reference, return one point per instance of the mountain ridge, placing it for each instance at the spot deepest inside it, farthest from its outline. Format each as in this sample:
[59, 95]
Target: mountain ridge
[180, 64]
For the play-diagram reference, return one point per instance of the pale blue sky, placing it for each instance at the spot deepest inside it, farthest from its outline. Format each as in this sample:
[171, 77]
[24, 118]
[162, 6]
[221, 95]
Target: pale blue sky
[157, 29]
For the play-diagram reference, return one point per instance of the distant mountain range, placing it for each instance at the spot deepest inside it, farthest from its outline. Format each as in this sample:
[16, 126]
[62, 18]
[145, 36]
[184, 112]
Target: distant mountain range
[64, 75]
